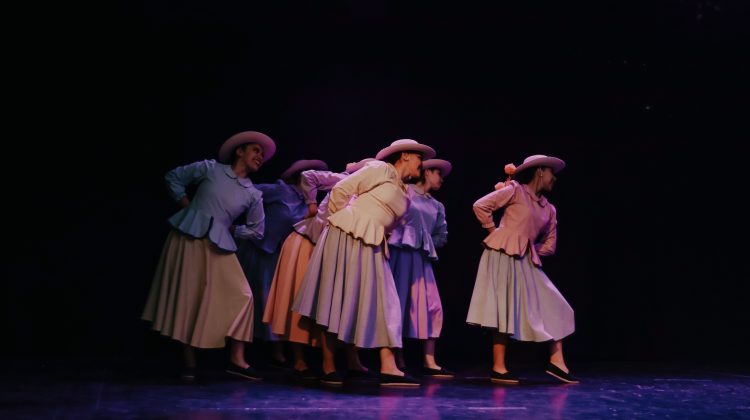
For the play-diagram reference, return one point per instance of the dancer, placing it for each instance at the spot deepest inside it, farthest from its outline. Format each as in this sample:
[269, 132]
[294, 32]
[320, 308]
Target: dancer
[348, 287]
[199, 295]
[284, 205]
[293, 260]
[412, 247]
[512, 295]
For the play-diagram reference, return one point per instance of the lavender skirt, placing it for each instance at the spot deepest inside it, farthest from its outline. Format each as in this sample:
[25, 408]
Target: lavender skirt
[348, 289]
[418, 292]
[513, 296]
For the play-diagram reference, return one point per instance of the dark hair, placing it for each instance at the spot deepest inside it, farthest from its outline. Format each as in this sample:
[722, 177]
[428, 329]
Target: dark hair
[395, 156]
[526, 175]
[294, 178]
[233, 156]
[422, 179]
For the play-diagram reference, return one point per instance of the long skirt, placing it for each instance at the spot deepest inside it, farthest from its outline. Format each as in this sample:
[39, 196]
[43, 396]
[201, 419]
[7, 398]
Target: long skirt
[287, 279]
[199, 294]
[417, 290]
[348, 289]
[513, 296]
[258, 266]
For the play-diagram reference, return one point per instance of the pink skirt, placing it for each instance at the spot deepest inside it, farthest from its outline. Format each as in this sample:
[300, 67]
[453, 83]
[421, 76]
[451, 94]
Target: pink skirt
[285, 324]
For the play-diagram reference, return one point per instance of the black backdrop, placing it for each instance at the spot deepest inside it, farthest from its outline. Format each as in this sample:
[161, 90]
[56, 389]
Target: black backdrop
[645, 100]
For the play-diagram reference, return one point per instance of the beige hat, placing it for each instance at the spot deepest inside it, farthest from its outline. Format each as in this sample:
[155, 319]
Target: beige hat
[226, 150]
[303, 165]
[541, 160]
[355, 166]
[406, 145]
[444, 166]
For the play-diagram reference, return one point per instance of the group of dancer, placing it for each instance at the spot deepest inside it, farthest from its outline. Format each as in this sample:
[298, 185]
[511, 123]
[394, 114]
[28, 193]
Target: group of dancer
[353, 271]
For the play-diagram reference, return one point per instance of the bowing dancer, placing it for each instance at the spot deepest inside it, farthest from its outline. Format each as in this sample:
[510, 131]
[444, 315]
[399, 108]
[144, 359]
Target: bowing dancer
[284, 205]
[348, 287]
[293, 260]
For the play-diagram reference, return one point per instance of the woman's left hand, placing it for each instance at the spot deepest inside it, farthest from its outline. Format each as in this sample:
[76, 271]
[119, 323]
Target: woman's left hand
[312, 210]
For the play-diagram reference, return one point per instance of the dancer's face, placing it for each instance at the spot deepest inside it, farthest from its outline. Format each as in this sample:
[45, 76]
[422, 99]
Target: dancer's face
[547, 179]
[413, 163]
[433, 178]
[251, 156]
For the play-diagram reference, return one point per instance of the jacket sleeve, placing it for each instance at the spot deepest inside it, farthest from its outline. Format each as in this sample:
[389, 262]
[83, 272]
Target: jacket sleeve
[255, 221]
[485, 206]
[314, 181]
[440, 232]
[547, 243]
[179, 178]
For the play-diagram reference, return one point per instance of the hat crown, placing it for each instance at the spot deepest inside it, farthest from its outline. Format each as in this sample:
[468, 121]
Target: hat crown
[534, 157]
[404, 141]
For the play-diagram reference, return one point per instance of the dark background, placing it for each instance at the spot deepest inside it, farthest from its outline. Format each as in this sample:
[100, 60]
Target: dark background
[646, 101]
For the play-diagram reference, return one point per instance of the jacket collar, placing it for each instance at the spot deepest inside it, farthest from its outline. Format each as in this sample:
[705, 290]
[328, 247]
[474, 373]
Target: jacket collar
[245, 182]
[542, 200]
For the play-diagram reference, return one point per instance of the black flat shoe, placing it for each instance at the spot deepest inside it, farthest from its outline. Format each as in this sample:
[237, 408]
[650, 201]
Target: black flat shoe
[247, 373]
[305, 375]
[504, 378]
[285, 365]
[561, 375]
[361, 375]
[187, 376]
[332, 379]
[398, 381]
[437, 373]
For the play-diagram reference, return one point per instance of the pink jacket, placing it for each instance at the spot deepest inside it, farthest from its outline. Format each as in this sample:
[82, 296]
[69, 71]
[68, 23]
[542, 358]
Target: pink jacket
[526, 220]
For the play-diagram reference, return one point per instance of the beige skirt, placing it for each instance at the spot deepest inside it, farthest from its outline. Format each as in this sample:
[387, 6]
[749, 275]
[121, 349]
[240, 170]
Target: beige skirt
[199, 295]
[285, 324]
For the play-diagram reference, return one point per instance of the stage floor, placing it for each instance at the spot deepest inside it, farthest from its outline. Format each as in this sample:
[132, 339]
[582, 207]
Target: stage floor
[607, 390]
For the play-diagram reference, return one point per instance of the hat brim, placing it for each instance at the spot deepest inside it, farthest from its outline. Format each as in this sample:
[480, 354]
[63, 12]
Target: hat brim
[444, 166]
[556, 164]
[268, 145]
[426, 151]
[304, 165]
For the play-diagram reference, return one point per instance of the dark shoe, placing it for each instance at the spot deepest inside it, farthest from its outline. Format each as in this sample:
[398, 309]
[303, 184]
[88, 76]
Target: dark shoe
[247, 373]
[305, 375]
[504, 378]
[561, 375]
[437, 373]
[285, 365]
[332, 379]
[187, 375]
[398, 381]
[362, 375]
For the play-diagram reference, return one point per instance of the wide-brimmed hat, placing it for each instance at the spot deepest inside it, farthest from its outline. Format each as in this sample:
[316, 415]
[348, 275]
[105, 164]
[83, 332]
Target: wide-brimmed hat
[406, 145]
[304, 165]
[444, 166]
[541, 160]
[355, 166]
[226, 149]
